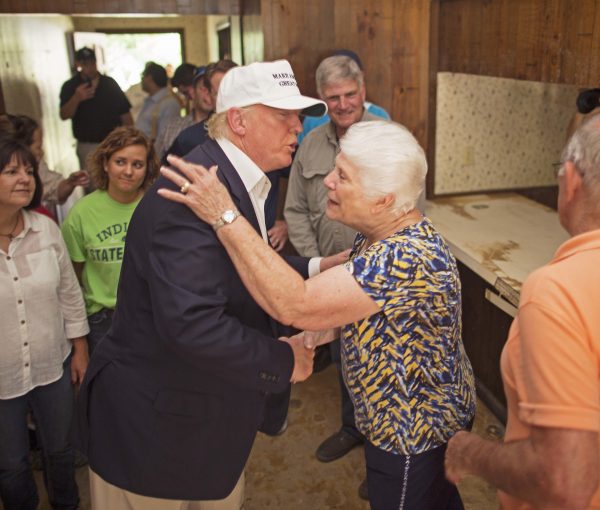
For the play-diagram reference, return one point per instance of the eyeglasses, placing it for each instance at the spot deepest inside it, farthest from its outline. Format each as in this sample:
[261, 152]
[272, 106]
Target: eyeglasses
[559, 165]
[557, 168]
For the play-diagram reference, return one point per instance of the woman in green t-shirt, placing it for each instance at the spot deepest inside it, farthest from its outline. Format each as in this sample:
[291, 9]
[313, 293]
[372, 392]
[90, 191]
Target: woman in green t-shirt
[122, 168]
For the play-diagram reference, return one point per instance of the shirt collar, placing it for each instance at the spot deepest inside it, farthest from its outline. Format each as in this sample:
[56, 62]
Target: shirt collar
[31, 221]
[252, 176]
[157, 96]
[582, 242]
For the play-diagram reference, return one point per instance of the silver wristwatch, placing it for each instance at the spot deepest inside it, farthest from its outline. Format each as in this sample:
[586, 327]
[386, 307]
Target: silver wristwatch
[226, 218]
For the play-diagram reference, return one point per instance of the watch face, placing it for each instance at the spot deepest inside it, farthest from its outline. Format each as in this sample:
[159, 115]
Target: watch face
[228, 216]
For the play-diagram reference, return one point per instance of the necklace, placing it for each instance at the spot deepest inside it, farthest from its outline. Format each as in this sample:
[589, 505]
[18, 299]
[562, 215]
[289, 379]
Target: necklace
[11, 234]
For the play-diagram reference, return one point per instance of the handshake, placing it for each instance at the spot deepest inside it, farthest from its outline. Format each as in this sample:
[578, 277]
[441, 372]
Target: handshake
[303, 345]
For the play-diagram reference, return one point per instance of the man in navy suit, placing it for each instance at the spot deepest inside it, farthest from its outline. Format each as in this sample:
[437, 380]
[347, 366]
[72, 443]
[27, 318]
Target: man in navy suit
[176, 391]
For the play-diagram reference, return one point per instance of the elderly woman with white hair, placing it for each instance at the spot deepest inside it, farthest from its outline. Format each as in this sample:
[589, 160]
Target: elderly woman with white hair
[397, 301]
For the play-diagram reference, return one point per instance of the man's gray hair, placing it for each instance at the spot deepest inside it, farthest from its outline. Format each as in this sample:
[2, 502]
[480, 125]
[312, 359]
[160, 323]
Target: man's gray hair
[335, 69]
[583, 149]
[389, 159]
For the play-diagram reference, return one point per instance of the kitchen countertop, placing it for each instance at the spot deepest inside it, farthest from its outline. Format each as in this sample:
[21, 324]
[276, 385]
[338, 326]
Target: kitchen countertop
[502, 237]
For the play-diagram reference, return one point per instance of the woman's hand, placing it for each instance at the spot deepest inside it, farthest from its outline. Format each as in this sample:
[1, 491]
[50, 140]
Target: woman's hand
[200, 189]
[79, 361]
[334, 260]
[313, 339]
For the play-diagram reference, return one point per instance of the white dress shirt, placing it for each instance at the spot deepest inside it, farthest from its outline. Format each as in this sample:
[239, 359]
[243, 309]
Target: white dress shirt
[257, 185]
[255, 181]
[41, 307]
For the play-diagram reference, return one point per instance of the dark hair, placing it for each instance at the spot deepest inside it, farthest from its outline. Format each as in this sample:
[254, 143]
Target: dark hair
[117, 139]
[85, 54]
[221, 66]
[157, 73]
[184, 75]
[588, 100]
[23, 128]
[9, 148]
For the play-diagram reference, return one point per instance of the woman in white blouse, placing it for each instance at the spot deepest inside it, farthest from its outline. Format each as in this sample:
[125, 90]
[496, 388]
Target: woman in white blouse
[42, 321]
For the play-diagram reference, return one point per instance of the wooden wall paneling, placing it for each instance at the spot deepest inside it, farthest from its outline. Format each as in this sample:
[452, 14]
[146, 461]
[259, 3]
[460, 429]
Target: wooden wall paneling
[434, 41]
[577, 50]
[553, 44]
[298, 51]
[474, 29]
[491, 37]
[373, 43]
[528, 39]
[300, 32]
[318, 43]
[123, 6]
[593, 78]
[411, 69]
[272, 13]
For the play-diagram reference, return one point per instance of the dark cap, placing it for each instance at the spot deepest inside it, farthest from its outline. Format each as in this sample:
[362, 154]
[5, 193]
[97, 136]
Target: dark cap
[199, 73]
[184, 75]
[349, 54]
[84, 54]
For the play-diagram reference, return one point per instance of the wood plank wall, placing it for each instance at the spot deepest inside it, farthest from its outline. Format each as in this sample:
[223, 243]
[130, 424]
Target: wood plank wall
[121, 6]
[390, 36]
[556, 41]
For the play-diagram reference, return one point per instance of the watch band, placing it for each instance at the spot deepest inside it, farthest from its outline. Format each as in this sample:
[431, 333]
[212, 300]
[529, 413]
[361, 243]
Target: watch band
[226, 218]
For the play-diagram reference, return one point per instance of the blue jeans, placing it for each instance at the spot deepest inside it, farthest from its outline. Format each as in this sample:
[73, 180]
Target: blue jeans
[100, 323]
[52, 407]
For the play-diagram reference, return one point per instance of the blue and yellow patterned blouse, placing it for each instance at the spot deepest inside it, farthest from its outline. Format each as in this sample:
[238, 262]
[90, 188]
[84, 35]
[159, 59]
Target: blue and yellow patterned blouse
[405, 367]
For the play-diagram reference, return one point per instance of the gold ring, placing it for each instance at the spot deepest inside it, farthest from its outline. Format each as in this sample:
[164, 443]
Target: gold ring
[185, 188]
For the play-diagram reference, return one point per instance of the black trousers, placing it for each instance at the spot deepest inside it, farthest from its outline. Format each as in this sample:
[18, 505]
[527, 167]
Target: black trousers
[409, 482]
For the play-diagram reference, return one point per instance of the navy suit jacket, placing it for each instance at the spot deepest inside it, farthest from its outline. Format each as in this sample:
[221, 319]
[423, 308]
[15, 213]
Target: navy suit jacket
[175, 392]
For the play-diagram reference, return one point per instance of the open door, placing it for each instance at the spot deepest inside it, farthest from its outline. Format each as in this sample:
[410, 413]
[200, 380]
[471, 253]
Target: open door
[93, 40]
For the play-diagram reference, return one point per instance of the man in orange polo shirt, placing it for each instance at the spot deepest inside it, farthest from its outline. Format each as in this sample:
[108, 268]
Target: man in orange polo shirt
[551, 362]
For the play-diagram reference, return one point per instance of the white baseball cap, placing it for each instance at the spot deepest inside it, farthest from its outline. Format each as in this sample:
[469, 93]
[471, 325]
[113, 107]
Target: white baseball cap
[268, 83]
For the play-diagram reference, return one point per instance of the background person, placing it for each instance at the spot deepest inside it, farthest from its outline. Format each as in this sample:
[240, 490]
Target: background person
[42, 321]
[551, 453]
[397, 300]
[310, 123]
[183, 81]
[160, 106]
[122, 167]
[56, 188]
[95, 104]
[206, 88]
[588, 104]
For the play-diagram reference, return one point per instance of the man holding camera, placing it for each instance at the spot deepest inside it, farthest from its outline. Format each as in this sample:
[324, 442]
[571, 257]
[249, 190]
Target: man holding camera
[95, 103]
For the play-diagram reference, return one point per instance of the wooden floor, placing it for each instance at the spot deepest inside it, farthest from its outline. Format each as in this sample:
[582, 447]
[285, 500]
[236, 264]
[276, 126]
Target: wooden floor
[284, 474]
